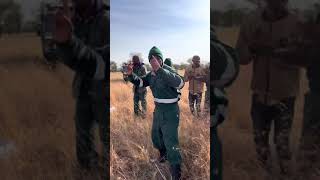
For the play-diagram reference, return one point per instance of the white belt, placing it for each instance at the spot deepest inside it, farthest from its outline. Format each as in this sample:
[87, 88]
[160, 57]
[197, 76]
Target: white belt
[167, 101]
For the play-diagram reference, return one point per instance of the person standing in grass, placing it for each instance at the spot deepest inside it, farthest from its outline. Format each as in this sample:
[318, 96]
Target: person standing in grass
[193, 75]
[139, 93]
[165, 84]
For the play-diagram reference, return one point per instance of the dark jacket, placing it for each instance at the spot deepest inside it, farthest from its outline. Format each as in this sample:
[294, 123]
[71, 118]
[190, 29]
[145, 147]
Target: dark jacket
[87, 53]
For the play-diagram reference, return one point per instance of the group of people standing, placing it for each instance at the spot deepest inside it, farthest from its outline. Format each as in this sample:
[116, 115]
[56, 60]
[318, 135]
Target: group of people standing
[275, 42]
[196, 74]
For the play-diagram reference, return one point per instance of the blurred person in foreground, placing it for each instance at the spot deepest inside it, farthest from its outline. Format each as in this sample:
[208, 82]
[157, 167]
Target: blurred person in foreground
[225, 70]
[275, 84]
[83, 44]
[305, 52]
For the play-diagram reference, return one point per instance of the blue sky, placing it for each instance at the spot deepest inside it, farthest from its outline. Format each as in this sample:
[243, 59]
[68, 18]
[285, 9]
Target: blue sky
[180, 28]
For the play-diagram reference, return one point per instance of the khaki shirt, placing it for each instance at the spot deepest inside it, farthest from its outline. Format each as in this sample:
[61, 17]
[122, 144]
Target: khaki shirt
[272, 80]
[195, 86]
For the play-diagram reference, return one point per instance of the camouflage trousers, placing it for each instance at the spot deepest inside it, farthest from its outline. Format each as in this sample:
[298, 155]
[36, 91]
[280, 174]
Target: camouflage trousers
[216, 165]
[137, 98]
[309, 150]
[91, 110]
[263, 116]
[195, 101]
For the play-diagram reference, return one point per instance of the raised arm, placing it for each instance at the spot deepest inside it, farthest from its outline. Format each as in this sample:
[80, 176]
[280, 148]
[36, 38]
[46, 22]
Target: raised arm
[172, 79]
[136, 80]
[85, 60]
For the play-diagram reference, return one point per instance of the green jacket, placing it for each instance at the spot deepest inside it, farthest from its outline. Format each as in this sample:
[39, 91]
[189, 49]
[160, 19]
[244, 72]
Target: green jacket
[87, 53]
[165, 84]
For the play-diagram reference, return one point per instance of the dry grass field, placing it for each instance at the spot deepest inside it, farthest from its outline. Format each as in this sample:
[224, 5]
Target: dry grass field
[36, 114]
[131, 138]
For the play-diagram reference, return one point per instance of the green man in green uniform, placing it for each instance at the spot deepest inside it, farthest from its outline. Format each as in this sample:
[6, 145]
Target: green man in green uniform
[165, 84]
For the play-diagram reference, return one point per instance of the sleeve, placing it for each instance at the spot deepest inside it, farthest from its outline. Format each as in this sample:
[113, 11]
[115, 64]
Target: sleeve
[139, 81]
[172, 79]
[242, 45]
[218, 107]
[186, 75]
[85, 60]
[225, 65]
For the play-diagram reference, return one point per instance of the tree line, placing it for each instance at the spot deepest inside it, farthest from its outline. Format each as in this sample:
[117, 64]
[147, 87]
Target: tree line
[235, 16]
[114, 67]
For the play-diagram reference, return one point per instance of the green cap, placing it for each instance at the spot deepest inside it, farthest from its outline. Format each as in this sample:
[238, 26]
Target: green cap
[154, 51]
[168, 62]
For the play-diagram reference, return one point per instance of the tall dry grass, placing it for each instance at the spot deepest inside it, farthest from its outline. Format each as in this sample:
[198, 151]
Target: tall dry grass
[36, 114]
[131, 145]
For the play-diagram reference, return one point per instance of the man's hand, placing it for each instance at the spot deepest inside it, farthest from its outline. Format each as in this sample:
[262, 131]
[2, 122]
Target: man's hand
[63, 27]
[155, 64]
[129, 69]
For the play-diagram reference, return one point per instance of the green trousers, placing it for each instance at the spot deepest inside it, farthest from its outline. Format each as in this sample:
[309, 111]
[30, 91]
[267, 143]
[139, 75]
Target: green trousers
[216, 165]
[165, 131]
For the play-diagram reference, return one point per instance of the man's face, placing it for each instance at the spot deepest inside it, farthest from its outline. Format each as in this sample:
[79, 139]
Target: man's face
[277, 5]
[196, 61]
[135, 60]
[159, 60]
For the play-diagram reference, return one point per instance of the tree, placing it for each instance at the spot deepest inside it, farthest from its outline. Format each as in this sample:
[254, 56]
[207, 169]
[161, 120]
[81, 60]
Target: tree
[4, 6]
[148, 67]
[189, 60]
[11, 16]
[176, 66]
[113, 66]
[183, 66]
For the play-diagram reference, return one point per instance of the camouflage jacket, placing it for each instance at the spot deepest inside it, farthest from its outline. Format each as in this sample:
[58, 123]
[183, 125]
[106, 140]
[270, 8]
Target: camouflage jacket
[195, 83]
[139, 71]
[87, 53]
